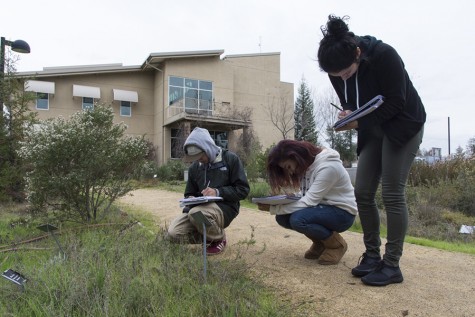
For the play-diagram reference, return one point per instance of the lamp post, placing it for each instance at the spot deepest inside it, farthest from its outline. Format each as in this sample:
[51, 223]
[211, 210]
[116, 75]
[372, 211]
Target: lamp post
[19, 46]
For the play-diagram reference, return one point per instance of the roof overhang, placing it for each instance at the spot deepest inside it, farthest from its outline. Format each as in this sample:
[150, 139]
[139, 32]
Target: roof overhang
[223, 122]
[80, 70]
[86, 91]
[46, 87]
[157, 58]
[125, 95]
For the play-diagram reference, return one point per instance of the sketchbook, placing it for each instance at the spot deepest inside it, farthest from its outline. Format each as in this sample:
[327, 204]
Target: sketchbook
[275, 200]
[368, 107]
[198, 200]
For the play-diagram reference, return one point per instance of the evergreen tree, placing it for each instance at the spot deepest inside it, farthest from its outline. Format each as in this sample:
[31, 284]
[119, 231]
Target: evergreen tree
[471, 147]
[305, 127]
[15, 118]
[343, 143]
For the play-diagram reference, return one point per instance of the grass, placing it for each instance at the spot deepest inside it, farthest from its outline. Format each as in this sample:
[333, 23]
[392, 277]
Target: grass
[125, 268]
[462, 247]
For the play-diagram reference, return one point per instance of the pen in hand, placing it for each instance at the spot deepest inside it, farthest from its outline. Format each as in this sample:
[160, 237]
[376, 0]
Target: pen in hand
[336, 106]
[207, 191]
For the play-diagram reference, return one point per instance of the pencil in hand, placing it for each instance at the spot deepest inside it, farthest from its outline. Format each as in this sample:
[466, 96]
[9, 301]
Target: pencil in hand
[336, 106]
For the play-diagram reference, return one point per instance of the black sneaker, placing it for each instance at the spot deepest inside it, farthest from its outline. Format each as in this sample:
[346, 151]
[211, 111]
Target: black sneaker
[383, 275]
[366, 265]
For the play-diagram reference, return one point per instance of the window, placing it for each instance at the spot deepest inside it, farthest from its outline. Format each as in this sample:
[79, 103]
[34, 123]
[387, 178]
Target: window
[194, 95]
[43, 90]
[177, 140]
[88, 95]
[42, 101]
[125, 109]
[125, 98]
[220, 138]
[87, 103]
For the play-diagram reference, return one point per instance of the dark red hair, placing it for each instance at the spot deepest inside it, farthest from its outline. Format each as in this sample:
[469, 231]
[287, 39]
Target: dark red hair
[302, 152]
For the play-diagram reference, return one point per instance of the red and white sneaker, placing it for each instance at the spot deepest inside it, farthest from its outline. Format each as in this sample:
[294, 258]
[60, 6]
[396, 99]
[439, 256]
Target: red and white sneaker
[216, 247]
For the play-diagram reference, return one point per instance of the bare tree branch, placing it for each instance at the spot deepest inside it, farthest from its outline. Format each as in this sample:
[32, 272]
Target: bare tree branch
[281, 115]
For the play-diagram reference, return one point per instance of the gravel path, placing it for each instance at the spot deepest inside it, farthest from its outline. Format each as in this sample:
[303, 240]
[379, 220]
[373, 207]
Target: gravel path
[437, 283]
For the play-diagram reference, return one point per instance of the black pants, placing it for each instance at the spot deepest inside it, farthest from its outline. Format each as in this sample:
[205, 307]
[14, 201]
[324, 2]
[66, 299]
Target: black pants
[382, 161]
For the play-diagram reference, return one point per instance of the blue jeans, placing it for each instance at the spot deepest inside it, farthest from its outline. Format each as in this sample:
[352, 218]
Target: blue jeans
[318, 222]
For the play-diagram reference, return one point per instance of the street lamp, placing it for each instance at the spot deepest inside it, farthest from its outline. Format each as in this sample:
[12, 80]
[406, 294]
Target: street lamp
[19, 46]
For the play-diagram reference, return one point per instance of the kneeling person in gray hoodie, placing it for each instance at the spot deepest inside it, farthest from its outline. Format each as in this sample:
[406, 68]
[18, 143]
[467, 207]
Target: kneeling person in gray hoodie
[214, 172]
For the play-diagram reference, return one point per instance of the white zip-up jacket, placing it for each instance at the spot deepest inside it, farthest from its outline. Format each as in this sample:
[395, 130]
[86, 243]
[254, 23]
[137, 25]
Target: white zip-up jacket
[326, 182]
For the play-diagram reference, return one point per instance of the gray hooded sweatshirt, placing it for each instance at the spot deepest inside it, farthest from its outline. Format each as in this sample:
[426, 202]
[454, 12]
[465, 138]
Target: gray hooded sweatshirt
[224, 172]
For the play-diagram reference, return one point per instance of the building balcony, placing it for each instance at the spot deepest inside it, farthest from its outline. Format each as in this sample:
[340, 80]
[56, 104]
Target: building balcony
[218, 114]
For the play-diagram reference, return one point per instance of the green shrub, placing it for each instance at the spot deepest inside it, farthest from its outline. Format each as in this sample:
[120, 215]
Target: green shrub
[464, 201]
[449, 183]
[81, 165]
[423, 174]
[258, 189]
[172, 171]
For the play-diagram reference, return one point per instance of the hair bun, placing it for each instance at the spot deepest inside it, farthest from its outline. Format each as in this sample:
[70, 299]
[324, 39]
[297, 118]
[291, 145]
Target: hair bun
[336, 27]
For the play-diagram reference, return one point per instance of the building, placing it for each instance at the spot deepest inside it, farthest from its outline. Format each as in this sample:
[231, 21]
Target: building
[171, 93]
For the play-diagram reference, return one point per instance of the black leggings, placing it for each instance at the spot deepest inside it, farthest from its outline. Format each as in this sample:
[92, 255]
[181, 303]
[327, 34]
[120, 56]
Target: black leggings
[382, 160]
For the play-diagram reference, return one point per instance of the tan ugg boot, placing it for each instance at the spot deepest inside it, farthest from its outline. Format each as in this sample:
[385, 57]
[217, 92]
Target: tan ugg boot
[335, 248]
[316, 249]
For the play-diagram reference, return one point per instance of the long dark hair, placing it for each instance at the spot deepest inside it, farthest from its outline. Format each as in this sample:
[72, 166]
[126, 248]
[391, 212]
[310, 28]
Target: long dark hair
[302, 152]
[338, 48]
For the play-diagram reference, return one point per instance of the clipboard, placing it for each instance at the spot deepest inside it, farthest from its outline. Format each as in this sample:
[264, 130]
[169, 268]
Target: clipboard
[198, 200]
[368, 107]
[275, 200]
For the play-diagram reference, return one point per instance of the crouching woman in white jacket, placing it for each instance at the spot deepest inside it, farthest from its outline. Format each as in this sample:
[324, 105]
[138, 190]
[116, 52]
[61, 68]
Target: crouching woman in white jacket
[327, 205]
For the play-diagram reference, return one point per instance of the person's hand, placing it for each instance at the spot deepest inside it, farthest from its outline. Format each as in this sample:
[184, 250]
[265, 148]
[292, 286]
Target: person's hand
[263, 207]
[349, 126]
[208, 191]
[343, 114]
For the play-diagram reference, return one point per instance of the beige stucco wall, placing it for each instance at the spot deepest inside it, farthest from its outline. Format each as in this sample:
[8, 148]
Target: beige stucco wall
[239, 82]
[257, 85]
[62, 103]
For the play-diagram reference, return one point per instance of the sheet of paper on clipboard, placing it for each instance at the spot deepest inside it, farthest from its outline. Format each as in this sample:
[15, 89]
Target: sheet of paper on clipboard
[275, 200]
[368, 107]
[198, 200]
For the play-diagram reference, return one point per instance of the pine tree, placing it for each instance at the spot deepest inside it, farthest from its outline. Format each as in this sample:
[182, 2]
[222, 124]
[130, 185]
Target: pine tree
[15, 118]
[305, 127]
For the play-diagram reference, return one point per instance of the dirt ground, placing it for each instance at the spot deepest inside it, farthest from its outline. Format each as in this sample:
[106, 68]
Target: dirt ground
[436, 283]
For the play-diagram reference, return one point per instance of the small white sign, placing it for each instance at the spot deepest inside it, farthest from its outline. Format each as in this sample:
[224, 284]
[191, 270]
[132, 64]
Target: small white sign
[467, 229]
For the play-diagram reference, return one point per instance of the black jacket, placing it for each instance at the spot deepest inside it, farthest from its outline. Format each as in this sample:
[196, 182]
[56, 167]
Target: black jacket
[227, 176]
[382, 72]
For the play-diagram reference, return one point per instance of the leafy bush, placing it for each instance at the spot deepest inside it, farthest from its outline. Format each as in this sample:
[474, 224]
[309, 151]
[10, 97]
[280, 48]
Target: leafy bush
[259, 189]
[450, 183]
[172, 171]
[256, 167]
[465, 188]
[424, 174]
[80, 165]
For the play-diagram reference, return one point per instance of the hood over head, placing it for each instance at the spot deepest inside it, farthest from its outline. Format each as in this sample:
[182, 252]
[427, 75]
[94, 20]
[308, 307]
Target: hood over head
[200, 141]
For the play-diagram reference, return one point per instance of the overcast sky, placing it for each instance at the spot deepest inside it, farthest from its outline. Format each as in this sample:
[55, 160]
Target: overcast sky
[435, 39]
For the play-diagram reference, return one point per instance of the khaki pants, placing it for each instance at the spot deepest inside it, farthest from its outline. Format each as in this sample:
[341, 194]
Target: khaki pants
[184, 228]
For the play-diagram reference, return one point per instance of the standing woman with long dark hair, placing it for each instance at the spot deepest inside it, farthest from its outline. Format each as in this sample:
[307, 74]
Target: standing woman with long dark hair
[360, 68]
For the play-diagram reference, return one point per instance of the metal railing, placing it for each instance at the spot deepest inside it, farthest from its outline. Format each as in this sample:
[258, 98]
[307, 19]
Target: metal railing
[190, 106]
